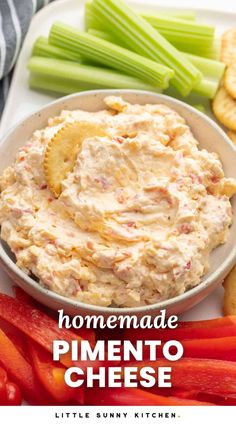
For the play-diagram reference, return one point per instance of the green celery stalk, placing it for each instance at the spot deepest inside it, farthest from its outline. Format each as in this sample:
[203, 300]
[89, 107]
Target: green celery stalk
[41, 47]
[175, 29]
[207, 88]
[203, 92]
[182, 43]
[84, 76]
[54, 85]
[108, 54]
[209, 52]
[90, 19]
[92, 22]
[211, 69]
[105, 36]
[128, 26]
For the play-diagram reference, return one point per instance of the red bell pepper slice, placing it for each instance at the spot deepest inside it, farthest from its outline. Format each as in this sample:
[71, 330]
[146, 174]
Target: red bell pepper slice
[19, 341]
[86, 334]
[220, 348]
[51, 376]
[33, 322]
[170, 391]
[22, 296]
[213, 328]
[219, 399]
[186, 394]
[124, 396]
[40, 327]
[18, 368]
[204, 375]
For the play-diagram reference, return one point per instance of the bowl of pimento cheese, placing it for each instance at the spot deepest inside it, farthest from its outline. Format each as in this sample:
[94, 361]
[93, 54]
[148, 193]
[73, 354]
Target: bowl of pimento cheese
[143, 220]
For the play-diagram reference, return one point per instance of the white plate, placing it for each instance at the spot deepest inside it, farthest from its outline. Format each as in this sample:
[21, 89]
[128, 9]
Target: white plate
[22, 101]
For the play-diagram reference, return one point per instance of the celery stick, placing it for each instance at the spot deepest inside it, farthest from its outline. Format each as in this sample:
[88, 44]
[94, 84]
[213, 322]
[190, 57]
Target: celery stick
[174, 29]
[211, 69]
[208, 67]
[127, 25]
[80, 75]
[207, 88]
[192, 45]
[91, 18]
[185, 37]
[42, 47]
[105, 36]
[55, 85]
[58, 85]
[108, 54]
[210, 52]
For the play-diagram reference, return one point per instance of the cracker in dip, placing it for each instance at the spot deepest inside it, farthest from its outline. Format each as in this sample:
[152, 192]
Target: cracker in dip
[137, 216]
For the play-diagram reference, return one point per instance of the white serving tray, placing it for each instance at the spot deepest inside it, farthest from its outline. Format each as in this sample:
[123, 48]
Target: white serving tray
[23, 101]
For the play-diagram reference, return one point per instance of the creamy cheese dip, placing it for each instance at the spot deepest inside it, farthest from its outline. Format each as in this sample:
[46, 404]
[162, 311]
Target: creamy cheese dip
[137, 217]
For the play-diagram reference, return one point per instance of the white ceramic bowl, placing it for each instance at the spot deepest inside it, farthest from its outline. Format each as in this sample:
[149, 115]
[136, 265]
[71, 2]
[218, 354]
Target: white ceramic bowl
[210, 136]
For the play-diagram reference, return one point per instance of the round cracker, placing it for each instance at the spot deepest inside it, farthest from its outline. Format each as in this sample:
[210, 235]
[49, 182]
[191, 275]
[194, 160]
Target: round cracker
[230, 80]
[224, 108]
[62, 151]
[228, 46]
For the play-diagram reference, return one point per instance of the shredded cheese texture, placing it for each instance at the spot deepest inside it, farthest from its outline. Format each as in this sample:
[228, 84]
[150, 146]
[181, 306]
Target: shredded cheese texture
[137, 216]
